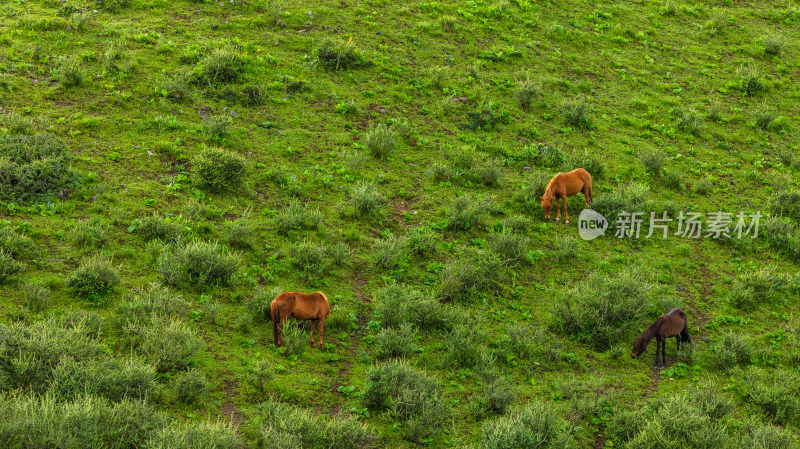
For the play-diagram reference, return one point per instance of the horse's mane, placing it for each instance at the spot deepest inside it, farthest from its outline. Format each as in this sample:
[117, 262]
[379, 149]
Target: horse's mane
[550, 184]
[640, 344]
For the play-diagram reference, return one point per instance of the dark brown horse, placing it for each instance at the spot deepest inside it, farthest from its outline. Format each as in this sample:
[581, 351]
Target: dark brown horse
[303, 306]
[671, 324]
[567, 184]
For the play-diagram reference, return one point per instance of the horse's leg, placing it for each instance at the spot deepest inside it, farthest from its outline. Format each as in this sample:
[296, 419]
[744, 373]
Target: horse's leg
[558, 209]
[321, 324]
[678, 339]
[664, 353]
[658, 346]
[280, 330]
[566, 214]
[313, 342]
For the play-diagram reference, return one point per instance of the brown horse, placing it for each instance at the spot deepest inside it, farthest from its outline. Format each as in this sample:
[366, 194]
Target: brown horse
[303, 306]
[567, 184]
[671, 324]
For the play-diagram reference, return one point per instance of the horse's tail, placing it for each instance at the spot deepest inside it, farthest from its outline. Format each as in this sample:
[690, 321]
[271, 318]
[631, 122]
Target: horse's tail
[275, 312]
[589, 186]
[326, 301]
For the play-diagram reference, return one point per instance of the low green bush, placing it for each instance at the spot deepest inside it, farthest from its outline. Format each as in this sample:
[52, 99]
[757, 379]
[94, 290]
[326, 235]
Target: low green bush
[34, 168]
[94, 279]
[306, 430]
[465, 277]
[537, 426]
[602, 309]
[296, 217]
[219, 171]
[197, 435]
[395, 342]
[189, 386]
[197, 264]
[411, 398]
[170, 346]
[340, 56]
[8, 267]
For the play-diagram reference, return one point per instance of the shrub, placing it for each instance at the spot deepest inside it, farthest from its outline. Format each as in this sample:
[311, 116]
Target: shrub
[421, 242]
[13, 243]
[366, 200]
[339, 254]
[704, 186]
[255, 95]
[94, 279]
[8, 267]
[465, 277]
[673, 179]
[295, 217]
[486, 119]
[36, 296]
[600, 309]
[673, 421]
[222, 65]
[395, 342]
[335, 57]
[544, 155]
[86, 235]
[178, 85]
[527, 92]
[765, 436]
[537, 426]
[381, 141]
[190, 386]
[750, 80]
[529, 197]
[776, 391]
[756, 287]
[294, 338]
[169, 345]
[154, 301]
[29, 420]
[34, 167]
[468, 212]
[301, 427]
[312, 260]
[197, 435]
[498, 394]
[218, 170]
[588, 161]
[783, 236]
[773, 44]
[109, 378]
[653, 160]
[215, 127]
[411, 397]
[576, 113]
[688, 121]
[70, 73]
[241, 234]
[389, 253]
[785, 203]
[398, 304]
[489, 173]
[512, 247]
[629, 197]
[565, 247]
[30, 353]
[462, 346]
[18, 124]
[259, 375]
[197, 264]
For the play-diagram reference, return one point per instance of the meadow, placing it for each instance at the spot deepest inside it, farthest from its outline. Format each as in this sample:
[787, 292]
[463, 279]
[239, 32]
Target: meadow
[168, 167]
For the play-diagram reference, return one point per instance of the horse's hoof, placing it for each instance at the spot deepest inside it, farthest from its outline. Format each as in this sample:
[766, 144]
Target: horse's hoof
[566, 222]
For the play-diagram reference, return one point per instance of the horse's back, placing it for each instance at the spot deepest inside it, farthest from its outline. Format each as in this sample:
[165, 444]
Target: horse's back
[672, 322]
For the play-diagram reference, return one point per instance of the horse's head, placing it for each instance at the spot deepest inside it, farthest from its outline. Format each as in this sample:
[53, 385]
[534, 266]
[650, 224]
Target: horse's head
[547, 203]
[639, 347]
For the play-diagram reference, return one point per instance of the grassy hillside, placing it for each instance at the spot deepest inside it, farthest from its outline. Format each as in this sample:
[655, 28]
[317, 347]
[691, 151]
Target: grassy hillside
[167, 168]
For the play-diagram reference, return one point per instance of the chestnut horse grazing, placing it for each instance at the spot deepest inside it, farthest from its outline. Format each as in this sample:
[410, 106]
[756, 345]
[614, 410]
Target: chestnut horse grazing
[303, 306]
[567, 184]
[671, 324]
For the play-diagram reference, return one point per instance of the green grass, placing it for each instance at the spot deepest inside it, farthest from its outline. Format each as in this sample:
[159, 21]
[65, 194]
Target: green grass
[392, 155]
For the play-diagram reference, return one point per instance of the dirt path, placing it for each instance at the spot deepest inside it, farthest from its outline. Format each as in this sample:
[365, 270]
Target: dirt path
[343, 377]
